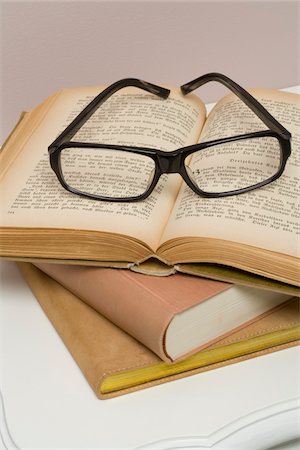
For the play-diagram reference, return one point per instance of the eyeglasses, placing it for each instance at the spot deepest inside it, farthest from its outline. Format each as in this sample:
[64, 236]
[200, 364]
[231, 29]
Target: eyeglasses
[218, 168]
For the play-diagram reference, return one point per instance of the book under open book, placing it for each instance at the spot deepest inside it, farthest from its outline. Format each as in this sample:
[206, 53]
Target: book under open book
[256, 232]
[114, 363]
[172, 316]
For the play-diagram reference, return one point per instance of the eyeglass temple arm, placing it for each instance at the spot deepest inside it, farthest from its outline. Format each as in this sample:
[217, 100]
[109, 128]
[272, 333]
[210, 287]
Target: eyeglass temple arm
[87, 112]
[247, 98]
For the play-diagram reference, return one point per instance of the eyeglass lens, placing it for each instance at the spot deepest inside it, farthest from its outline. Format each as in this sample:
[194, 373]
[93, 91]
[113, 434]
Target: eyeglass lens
[234, 165]
[106, 172]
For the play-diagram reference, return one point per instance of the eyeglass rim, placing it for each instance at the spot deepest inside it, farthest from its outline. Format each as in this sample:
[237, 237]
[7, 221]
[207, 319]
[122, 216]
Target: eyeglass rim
[177, 158]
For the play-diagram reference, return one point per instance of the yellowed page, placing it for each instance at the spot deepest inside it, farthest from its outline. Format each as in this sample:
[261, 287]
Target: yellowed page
[31, 195]
[268, 217]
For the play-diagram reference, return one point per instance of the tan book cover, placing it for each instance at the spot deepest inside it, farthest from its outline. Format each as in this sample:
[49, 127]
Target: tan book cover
[114, 363]
[173, 316]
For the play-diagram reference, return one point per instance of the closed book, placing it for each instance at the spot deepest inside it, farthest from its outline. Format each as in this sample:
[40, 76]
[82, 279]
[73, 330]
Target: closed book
[173, 316]
[115, 363]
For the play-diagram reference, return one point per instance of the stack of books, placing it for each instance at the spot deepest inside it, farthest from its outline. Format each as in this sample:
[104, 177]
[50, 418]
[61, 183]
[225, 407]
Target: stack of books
[145, 293]
[134, 331]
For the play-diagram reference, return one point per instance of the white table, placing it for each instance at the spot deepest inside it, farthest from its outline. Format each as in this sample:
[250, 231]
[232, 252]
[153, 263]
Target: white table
[47, 403]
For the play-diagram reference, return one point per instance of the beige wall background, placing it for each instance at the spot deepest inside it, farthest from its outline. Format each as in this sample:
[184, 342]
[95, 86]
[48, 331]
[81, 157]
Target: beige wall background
[46, 46]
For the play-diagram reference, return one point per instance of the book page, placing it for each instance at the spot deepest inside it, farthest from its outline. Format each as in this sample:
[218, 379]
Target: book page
[33, 197]
[268, 217]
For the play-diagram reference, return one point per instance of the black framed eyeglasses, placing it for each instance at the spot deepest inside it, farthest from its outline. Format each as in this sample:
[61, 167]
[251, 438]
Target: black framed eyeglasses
[124, 173]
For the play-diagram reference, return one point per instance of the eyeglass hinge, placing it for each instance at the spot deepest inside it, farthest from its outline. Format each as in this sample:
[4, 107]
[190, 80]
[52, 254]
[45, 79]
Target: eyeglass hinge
[52, 149]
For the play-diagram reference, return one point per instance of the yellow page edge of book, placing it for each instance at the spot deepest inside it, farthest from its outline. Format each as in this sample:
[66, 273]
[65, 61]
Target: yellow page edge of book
[136, 377]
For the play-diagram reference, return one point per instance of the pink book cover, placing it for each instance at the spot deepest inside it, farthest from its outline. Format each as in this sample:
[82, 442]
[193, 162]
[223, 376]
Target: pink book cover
[141, 305]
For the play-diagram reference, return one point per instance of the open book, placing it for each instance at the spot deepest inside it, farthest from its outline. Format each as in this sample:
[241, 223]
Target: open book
[257, 231]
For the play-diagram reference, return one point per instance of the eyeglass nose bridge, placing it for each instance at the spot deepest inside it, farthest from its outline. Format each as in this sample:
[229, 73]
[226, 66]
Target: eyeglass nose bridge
[170, 163]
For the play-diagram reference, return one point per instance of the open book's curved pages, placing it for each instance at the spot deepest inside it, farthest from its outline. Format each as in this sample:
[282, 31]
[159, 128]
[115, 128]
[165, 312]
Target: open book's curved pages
[257, 231]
